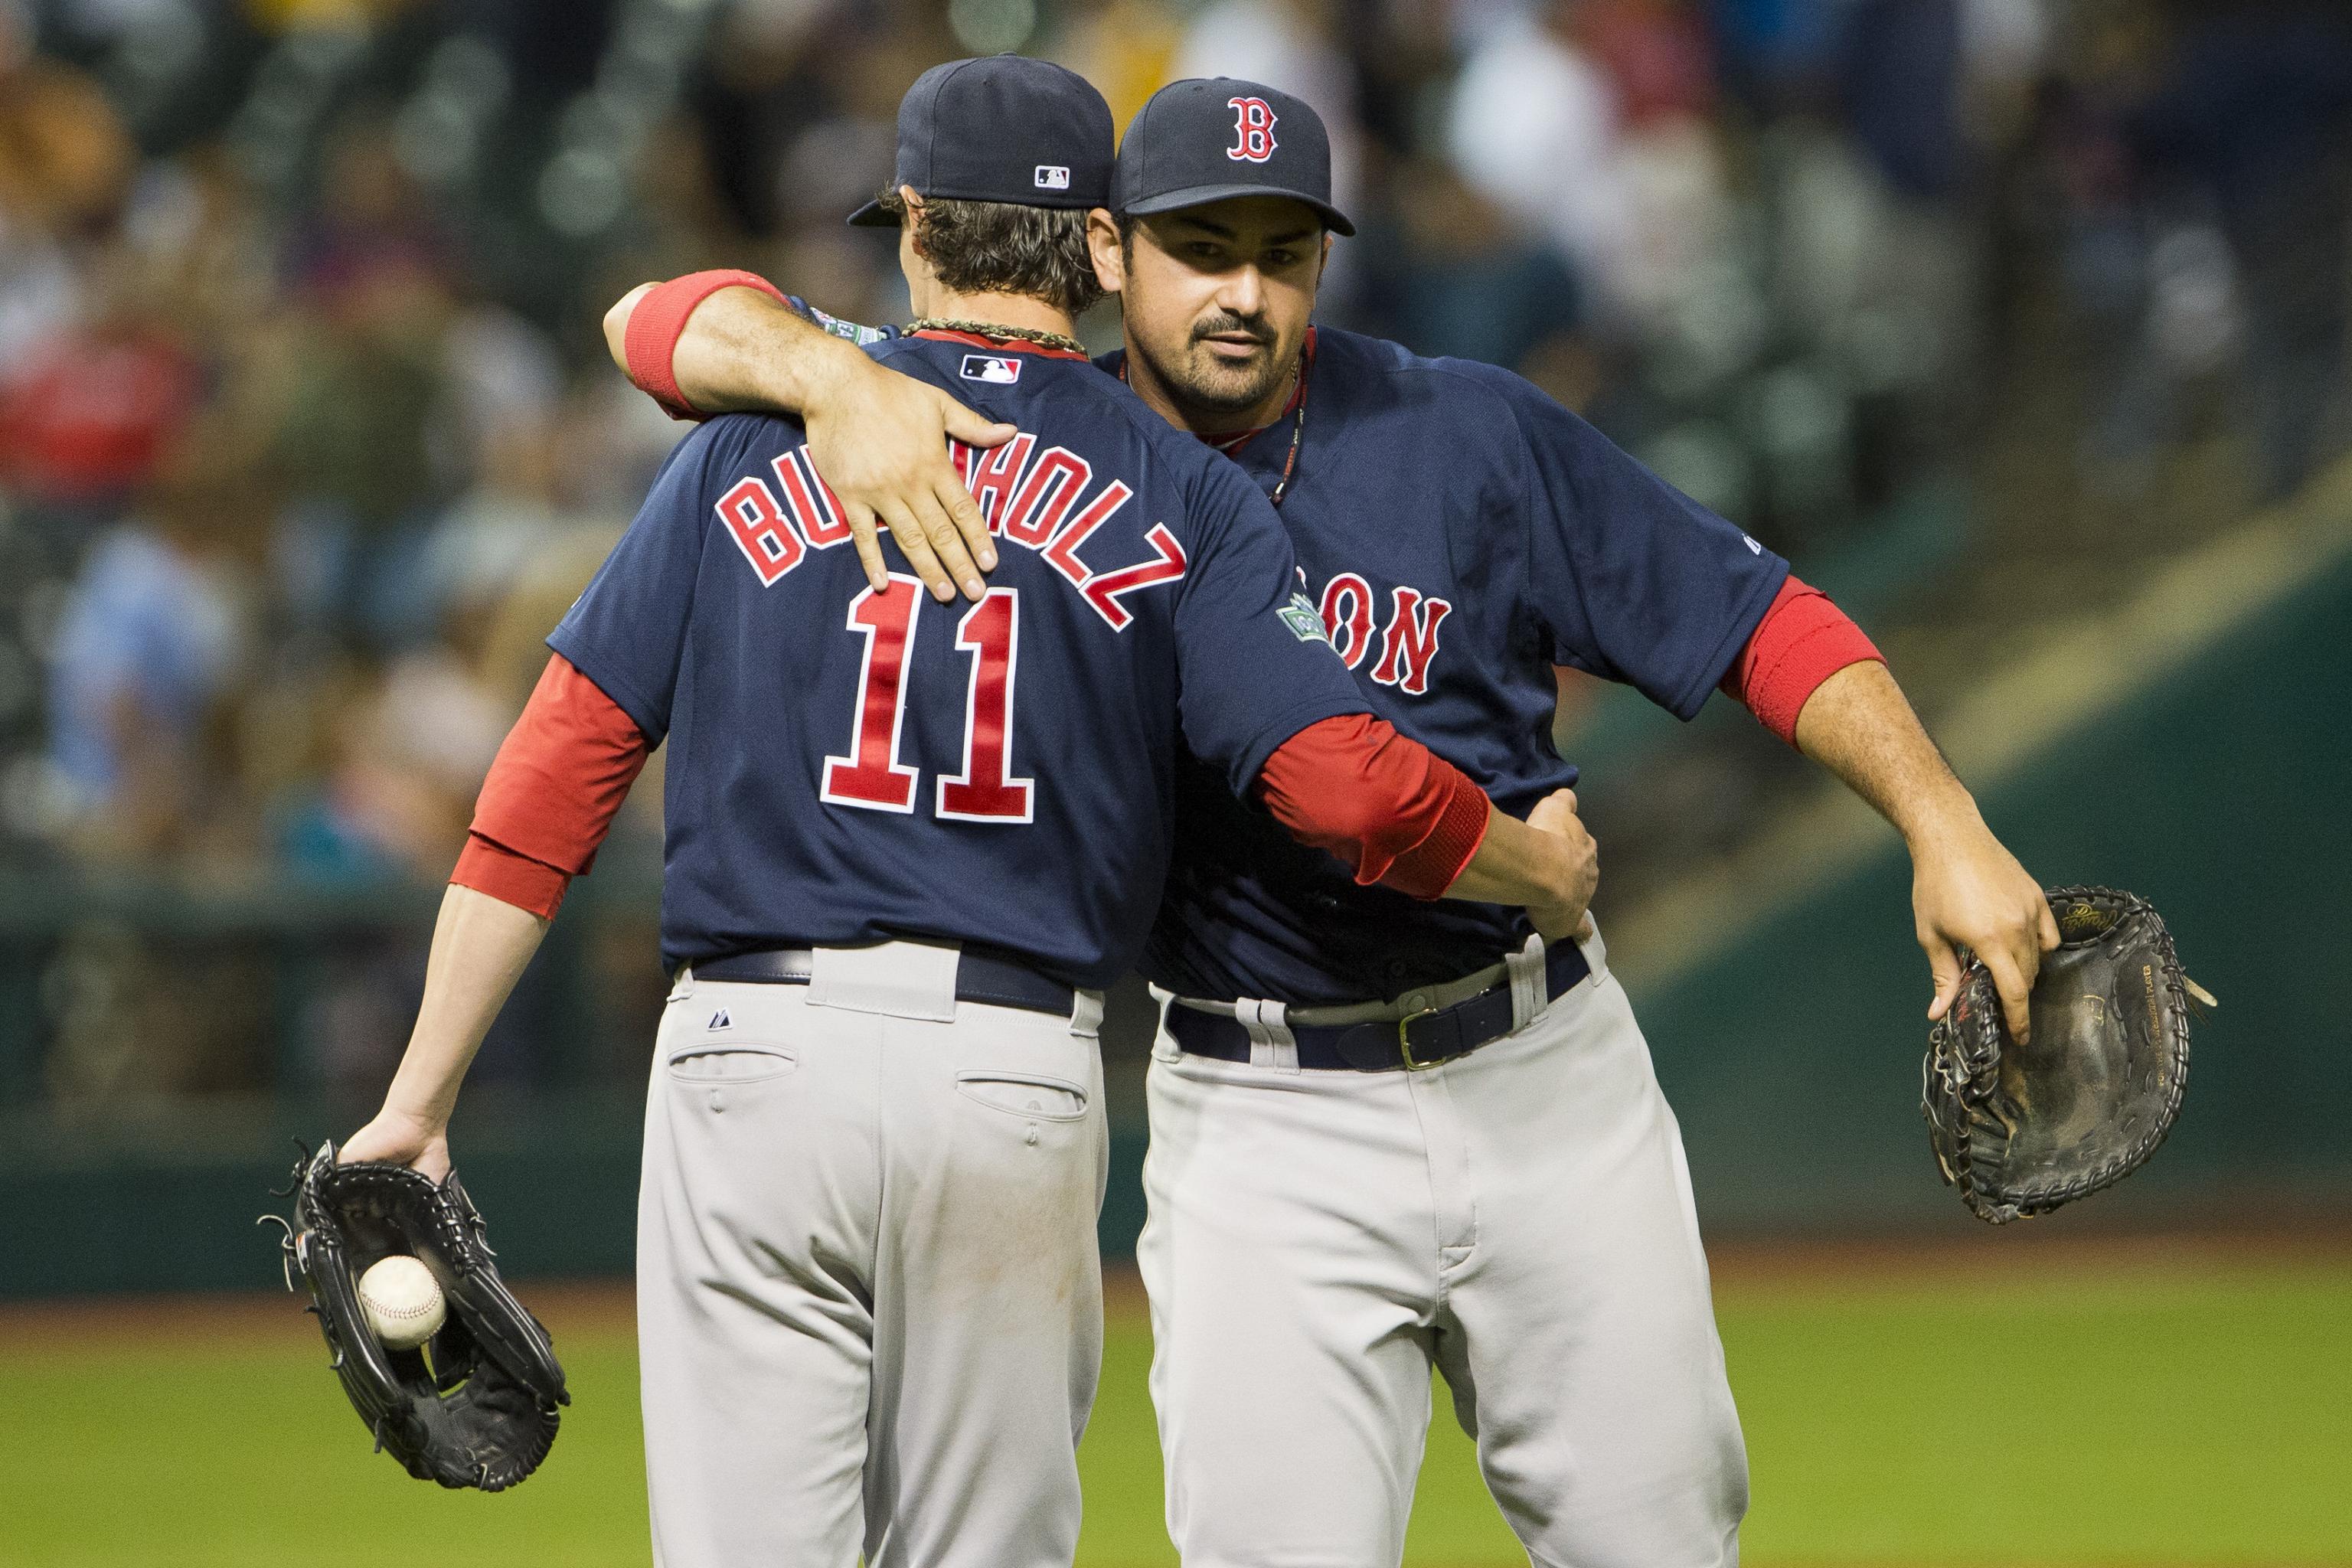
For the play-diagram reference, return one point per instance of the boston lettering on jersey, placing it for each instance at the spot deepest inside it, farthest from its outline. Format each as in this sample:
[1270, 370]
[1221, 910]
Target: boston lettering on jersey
[1407, 643]
[1035, 504]
[860, 764]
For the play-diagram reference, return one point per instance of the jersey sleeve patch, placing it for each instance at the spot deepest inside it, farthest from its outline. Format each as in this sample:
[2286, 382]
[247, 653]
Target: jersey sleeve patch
[1304, 621]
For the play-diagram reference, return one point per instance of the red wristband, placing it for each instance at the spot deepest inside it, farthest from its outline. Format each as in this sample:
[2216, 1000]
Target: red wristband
[1802, 640]
[658, 320]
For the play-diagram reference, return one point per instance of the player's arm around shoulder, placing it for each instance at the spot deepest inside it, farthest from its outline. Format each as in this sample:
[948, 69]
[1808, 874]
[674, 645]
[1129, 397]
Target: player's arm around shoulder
[711, 342]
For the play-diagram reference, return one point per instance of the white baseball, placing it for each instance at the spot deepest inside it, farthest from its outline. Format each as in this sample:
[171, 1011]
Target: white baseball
[403, 1302]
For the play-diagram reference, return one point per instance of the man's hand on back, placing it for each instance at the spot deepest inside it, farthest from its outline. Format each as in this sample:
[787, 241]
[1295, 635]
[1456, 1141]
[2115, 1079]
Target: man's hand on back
[879, 440]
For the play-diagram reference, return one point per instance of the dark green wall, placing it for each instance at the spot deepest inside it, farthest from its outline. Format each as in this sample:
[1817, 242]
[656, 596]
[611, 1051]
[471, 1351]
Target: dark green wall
[2222, 794]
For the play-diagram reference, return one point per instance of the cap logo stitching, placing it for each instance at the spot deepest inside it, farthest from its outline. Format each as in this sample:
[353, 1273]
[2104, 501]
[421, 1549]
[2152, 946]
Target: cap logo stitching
[1053, 177]
[1253, 130]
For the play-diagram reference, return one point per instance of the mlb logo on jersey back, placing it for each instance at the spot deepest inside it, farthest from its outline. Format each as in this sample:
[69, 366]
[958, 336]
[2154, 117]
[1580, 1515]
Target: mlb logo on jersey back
[997, 370]
[1053, 177]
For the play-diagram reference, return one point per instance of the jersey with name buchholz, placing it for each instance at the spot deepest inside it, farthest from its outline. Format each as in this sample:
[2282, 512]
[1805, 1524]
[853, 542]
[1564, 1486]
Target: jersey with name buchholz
[1460, 535]
[848, 767]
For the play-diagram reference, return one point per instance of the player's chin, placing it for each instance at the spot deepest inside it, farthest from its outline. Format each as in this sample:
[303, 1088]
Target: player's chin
[1230, 381]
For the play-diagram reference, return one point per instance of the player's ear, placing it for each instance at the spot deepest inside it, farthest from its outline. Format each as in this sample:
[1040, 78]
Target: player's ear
[1323, 259]
[1103, 244]
[913, 221]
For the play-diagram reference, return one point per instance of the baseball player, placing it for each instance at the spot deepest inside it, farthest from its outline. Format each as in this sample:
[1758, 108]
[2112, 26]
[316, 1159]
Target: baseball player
[1387, 1134]
[905, 847]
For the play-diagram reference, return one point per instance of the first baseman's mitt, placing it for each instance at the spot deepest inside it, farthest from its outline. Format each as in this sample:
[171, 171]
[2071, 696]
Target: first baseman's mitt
[476, 1405]
[2022, 1129]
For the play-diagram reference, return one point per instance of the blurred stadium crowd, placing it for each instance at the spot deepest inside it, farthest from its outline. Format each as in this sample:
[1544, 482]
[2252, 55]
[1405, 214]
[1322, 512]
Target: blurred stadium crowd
[306, 435]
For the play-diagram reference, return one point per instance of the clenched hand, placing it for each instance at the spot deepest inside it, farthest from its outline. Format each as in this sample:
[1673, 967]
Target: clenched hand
[1967, 890]
[1567, 915]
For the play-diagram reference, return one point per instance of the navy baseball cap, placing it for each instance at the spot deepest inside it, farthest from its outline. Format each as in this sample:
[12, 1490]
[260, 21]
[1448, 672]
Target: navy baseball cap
[1211, 138]
[1002, 128]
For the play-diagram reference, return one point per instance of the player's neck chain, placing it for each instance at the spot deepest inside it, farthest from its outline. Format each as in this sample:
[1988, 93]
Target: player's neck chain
[1001, 334]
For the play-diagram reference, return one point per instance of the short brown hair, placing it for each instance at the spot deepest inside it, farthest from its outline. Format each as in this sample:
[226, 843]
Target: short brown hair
[997, 248]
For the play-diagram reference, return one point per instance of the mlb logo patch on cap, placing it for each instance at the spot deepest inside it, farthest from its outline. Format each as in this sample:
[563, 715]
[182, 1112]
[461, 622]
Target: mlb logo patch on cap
[1053, 177]
[998, 369]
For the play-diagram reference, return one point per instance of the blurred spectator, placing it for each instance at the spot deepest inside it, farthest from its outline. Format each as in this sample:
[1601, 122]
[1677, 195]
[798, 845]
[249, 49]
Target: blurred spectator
[65, 159]
[2257, 108]
[145, 655]
[88, 412]
[1535, 129]
[1656, 54]
[1125, 47]
[1455, 277]
[1899, 76]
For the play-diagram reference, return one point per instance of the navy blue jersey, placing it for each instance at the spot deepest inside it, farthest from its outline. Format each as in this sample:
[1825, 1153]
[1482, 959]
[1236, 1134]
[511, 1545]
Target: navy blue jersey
[1461, 533]
[848, 767]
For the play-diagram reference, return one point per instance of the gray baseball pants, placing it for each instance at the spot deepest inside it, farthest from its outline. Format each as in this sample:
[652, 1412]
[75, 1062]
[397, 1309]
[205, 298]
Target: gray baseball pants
[869, 1305]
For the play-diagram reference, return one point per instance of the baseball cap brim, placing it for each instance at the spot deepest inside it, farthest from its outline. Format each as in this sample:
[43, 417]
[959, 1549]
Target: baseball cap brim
[873, 214]
[1202, 195]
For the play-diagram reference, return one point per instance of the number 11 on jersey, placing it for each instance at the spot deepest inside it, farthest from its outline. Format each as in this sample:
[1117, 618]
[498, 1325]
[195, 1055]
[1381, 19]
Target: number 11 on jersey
[871, 776]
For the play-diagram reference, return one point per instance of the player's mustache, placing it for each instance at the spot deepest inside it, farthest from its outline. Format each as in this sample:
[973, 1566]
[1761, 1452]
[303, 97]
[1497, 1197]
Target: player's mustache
[1251, 328]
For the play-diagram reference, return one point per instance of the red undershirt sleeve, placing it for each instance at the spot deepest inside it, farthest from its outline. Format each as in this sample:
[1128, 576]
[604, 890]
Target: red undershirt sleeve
[658, 320]
[1396, 813]
[551, 796]
[1802, 640]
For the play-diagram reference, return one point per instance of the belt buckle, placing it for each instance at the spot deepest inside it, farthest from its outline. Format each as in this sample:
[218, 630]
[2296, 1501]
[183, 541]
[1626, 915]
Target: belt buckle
[1404, 1040]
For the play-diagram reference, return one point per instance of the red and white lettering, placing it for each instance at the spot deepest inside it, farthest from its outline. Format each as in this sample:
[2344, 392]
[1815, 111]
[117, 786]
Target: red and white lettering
[1063, 553]
[1409, 642]
[871, 776]
[983, 792]
[1103, 592]
[997, 474]
[1253, 130]
[811, 500]
[1348, 617]
[760, 530]
[1046, 496]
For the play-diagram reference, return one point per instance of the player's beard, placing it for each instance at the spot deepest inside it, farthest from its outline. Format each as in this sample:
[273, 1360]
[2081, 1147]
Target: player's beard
[1212, 391]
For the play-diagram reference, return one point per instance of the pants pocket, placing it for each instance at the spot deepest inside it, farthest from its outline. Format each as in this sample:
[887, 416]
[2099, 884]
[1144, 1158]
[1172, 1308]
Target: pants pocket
[1032, 1097]
[736, 1061]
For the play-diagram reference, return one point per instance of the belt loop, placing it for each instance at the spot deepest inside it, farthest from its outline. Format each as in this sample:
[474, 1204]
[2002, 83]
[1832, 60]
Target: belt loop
[1164, 1047]
[1596, 953]
[1086, 1015]
[1272, 1045]
[1529, 993]
[684, 984]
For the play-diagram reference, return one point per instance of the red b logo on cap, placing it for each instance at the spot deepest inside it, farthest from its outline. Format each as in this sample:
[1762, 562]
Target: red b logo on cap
[1253, 130]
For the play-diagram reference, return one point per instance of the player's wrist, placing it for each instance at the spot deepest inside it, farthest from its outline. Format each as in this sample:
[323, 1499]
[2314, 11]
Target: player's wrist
[1941, 825]
[422, 1120]
[819, 377]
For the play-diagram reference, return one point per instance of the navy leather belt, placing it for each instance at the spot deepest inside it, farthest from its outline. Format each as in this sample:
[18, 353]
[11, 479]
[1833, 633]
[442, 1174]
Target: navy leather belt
[997, 982]
[1390, 1045]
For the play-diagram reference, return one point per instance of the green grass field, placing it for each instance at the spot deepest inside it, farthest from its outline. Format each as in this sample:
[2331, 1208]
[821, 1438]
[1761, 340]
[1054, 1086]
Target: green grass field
[2144, 1407]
